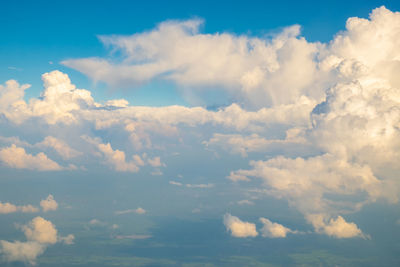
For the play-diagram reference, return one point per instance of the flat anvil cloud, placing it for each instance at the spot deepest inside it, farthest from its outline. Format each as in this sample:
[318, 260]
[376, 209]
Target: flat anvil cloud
[325, 115]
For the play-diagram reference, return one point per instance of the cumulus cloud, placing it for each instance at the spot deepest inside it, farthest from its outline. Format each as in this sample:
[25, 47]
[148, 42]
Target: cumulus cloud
[11, 208]
[248, 68]
[16, 157]
[335, 104]
[274, 230]
[40, 230]
[40, 233]
[68, 240]
[49, 204]
[338, 227]
[115, 158]
[239, 144]
[21, 251]
[63, 149]
[155, 162]
[239, 228]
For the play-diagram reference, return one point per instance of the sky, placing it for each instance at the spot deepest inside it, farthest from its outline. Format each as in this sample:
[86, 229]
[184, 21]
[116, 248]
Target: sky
[168, 133]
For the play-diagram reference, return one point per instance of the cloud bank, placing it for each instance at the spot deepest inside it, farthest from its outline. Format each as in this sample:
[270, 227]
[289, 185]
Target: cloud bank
[320, 121]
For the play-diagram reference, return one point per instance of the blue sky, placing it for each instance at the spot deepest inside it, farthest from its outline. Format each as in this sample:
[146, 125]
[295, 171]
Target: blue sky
[169, 133]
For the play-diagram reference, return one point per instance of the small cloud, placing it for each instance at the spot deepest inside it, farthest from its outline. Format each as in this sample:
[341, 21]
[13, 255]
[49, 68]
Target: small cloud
[338, 227]
[133, 237]
[11, 208]
[156, 162]
[199, 185]
[114, 226]
[196, 210]
[68, 240]
[274, 230]
[245, 202]
[14, 68]
[49, 204]
[239, 228]
[156, 173]
[137, 211]
[95, 222]
[175, 183]
[16, 157]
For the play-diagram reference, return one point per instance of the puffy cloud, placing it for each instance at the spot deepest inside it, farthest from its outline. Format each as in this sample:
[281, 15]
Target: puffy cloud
[21, 251]
[49, 204]
[41, 230]
[16, 157]
[155, 162]
[247, 67]
[338, 227]
[340, 102]
[240, 144]
[63, 149]
[116, 158]
[274, 230]
[58, 101]
[11, 208]
[239, 228]
[308, 183]
[68, 240]
[12, 104]
[40, 234]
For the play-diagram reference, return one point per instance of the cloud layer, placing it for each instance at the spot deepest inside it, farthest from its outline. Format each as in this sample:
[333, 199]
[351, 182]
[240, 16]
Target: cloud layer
[320, 122]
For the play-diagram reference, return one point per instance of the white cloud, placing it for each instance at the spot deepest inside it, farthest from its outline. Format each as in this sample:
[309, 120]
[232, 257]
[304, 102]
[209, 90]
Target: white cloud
[40, 230]
[338, 227]
[199, 185]
[239, 228]
[247, 68]
[175, 183]
[307, 183]
[245, 202]
[239, 144]
[274, 230]
[340, 102]
[40, 233]
[116, 158]
[49, 204]
[21, 251]
[16, 157]
[95, 222]
[156, 162]
[135, 237]
[63, 149]
[137, 211]
[11, 208]
[68, 240]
